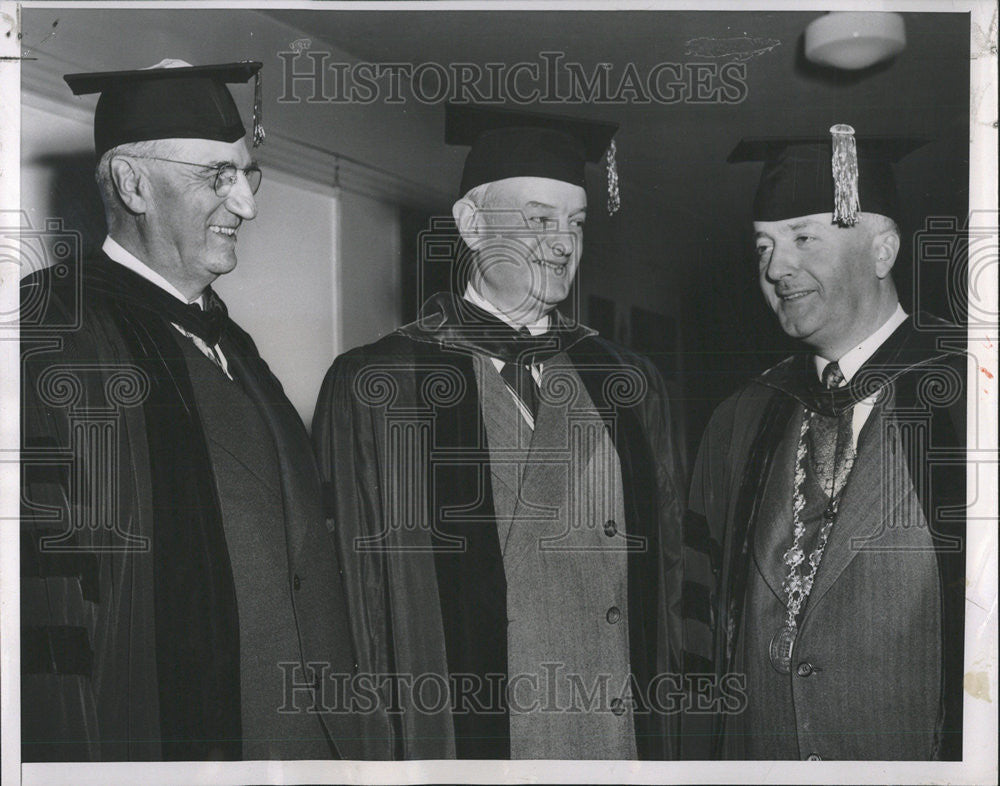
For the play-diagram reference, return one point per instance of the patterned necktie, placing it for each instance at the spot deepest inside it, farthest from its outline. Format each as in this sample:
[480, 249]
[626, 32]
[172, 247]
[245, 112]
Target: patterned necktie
[831, 439]
[519, 379]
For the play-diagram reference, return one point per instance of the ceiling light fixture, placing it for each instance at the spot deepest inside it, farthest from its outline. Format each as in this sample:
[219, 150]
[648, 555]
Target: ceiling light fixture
[854, 40]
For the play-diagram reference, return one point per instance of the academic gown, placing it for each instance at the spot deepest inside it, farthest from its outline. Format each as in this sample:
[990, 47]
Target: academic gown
[888, 603]
[403, 449]
[130, 631]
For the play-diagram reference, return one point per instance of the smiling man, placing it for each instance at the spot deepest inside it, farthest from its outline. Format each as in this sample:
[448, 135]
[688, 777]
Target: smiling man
[177, 573]
[825, 555]
[504, 485]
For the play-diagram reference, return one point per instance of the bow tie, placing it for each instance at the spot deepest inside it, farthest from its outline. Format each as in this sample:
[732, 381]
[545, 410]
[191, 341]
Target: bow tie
[206, 323]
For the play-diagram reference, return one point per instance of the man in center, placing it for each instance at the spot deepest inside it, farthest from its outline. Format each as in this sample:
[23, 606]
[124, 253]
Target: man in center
[504, 484]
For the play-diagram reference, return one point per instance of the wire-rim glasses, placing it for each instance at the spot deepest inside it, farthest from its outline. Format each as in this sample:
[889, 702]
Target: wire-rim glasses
[225, 174]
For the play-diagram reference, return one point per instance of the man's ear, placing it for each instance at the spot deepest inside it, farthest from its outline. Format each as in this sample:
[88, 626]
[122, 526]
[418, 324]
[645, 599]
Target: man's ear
[468, 220]
[886, 247]
[130, 184]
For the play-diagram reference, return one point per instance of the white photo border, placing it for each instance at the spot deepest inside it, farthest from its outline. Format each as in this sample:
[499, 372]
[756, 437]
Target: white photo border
[979, 764]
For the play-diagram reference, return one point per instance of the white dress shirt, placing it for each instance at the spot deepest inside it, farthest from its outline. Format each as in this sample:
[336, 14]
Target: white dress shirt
[852, 360]
[535, 328]
[125, 258]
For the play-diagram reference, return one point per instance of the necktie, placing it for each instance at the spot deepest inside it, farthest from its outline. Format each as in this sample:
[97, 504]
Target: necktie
[833, 377]
[831, 439]
[519, 379]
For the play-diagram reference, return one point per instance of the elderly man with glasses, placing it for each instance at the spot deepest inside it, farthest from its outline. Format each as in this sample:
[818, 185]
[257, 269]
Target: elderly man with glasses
[179, 588]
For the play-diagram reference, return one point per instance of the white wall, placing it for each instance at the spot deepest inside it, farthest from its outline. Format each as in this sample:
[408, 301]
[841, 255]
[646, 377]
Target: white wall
[282, 292]
[370, 291]
[48, 132]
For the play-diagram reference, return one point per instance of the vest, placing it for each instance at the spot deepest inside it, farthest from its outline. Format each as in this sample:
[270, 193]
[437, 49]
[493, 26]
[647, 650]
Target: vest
[560, 518]
[245, 466]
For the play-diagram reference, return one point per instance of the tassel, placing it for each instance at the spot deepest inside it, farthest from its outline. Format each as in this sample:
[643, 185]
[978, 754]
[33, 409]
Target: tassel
[846, 203]
[258, 129]
[614, 197]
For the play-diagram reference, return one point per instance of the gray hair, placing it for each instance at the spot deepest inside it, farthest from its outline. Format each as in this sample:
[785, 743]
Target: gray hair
[877, 223]
[102, 174]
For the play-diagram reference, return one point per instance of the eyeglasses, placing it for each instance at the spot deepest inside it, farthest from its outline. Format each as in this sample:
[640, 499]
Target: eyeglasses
[225, 174]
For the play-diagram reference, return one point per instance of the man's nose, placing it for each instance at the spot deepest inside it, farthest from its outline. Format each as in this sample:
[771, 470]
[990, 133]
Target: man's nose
[561, 246]
[782, 262]
[240, 201]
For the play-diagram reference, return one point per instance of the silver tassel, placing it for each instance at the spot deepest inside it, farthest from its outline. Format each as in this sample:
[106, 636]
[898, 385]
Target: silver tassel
[258, 129]
[614, 197]
[846, 202]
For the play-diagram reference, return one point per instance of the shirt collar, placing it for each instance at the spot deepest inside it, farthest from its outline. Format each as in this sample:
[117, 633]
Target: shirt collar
[855, 358]
[536, 328]
[118, 254]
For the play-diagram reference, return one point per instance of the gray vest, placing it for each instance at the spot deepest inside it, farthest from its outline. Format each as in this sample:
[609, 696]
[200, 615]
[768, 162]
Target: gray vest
[558, 499]
[245, 465]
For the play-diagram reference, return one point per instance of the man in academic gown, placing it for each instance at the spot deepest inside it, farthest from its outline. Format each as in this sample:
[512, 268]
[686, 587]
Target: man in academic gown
[503, 484]
[824, 559]
[177, 573]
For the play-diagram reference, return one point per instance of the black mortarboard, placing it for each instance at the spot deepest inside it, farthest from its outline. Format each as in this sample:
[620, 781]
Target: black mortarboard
[834, 174]
[507, 143]
[188, 102]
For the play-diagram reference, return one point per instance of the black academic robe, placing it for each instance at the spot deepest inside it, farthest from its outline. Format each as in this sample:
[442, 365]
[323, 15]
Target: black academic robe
[129, 626]
[403, 448]
[920, 373]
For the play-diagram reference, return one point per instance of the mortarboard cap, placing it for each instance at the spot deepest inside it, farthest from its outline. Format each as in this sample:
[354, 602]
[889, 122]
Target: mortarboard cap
[835, 174]
[169, 100]
[507, 143]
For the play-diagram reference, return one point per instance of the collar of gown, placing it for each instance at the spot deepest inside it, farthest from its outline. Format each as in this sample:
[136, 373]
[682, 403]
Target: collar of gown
[903, 350]
[456, 323]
